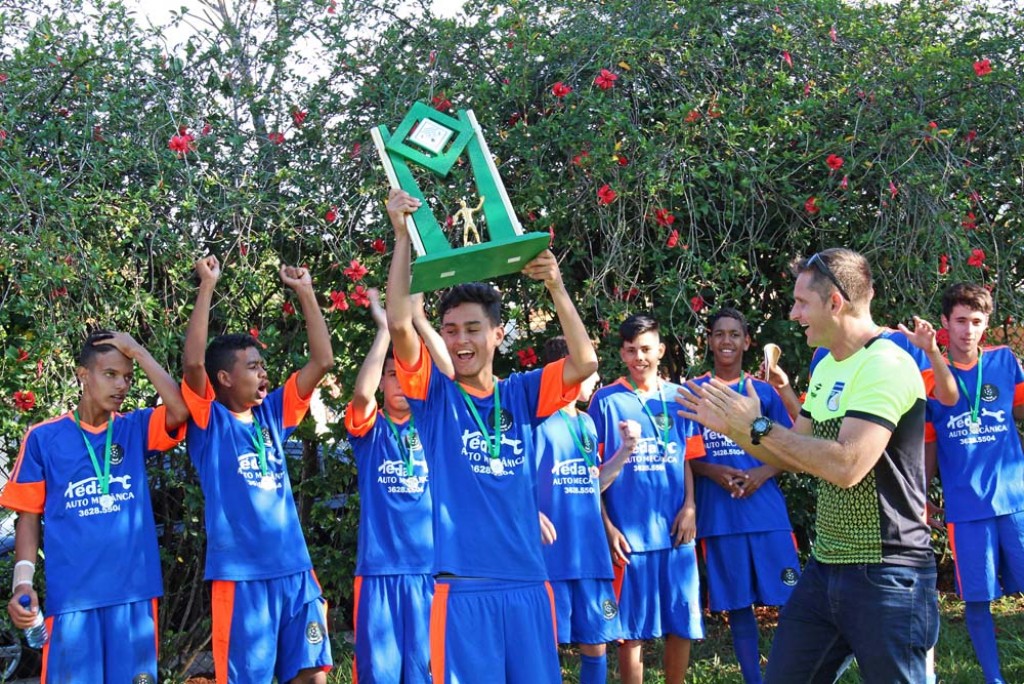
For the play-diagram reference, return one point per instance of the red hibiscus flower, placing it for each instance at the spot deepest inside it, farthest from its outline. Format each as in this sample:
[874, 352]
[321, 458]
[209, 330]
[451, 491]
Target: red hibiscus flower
[714, 112]
[357, 149]
[207, 129]
[834, 162]
[255, 333]
[379, 246]
[811, 205]
[832, 34]
[943, 264]
[605, 195]
[299, 117]
[673, 239]
[697, 303]
[807, 88]
[977, 258]
[845, 183]
[3, 79]
[24, 400]
[630, 294]
[578, 159]
[58, 292]
[355, 271]
[970, 221]
[787, 59]
[338, 301]
[3, 136]
[605, 326]
[971, 135]
[692, 116]
[893, 190]
[288, 308]
[606, 79]
[622, 160]
[441, 103]
[333, 7]
[664, 217]
[361, 296]
[527, 357]
[276, 137]
[942, 337]
[983, 67]
[560, 90]
[22, 356]
[182, 143]
[332, 215]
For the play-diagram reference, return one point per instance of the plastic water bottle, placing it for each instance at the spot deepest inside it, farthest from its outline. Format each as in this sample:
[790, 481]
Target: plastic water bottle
[35, 635]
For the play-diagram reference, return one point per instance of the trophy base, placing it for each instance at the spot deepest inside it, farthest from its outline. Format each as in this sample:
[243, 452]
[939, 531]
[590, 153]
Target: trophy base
[475, 262]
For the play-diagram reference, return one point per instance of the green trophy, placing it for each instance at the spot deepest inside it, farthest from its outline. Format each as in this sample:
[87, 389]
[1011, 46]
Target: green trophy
[434, 141]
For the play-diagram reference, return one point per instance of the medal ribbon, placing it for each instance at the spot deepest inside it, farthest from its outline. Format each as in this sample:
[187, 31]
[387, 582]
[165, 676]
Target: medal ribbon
[259, 445]
[976, 407]
[103, 476]
[577, 438]
[406, 453]
[493, 440]
[663, 440]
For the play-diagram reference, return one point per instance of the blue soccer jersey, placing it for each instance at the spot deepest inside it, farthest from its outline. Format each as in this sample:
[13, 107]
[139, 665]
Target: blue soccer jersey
[979, 451]
[252, 526]
[648, 493]
[396, 534]
[100, 548]
[764, 510]
[485, 509]
[569, 494]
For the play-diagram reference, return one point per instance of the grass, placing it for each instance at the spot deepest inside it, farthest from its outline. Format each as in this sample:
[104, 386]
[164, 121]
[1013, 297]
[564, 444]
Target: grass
[712, 660]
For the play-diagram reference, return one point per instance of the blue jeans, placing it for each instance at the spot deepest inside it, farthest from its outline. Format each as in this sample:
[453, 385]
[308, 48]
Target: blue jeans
[887, 616]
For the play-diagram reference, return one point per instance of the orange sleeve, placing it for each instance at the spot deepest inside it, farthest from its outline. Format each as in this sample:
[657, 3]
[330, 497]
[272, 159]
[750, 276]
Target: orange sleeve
[27, 497]
[695, 447]
[159, 439]
[1018, 395]
[928, 375]
[415, 381]
[929, 433]
[356, 424]
[294, 407]
[199, 404]
[554, 394]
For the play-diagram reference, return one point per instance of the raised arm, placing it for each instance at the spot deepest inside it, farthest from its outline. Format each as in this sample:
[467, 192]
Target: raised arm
[431, 338]
[399, 305]
[321, 356]
[194, 361]
[166, 387]
[924, 338]
[582, 360]
[364, 398]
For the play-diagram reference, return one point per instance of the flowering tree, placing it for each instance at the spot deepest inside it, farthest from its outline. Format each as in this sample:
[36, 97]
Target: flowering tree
[679, 153]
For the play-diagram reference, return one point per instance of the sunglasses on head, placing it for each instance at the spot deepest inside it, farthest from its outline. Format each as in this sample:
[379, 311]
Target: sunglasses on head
[818, 263]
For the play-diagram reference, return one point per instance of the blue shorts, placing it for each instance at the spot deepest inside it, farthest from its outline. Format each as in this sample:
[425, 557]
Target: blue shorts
[112, 644]
[266, 628]
[989, 556]
[744, 569]
[659, 594]
[392, 629]
[493, 631]
[586, 611]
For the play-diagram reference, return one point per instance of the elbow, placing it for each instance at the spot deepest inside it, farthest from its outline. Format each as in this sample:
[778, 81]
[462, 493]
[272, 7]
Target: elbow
[847, 479]
[324, 364]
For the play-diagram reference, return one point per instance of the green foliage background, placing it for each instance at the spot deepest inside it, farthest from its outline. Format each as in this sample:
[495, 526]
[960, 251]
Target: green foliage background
[722, 117]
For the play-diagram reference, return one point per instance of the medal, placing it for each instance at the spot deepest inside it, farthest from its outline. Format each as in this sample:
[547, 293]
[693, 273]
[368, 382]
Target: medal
[107, 502]
[412, 484]
[594, 471]
[267, 482]
[974, 427]
[974, 421]
[497, 467]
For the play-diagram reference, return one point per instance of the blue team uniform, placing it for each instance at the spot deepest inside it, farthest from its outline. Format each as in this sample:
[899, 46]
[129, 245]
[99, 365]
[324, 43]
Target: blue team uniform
[492, 615]
[269, 617]
[982, 467]
[102, 561]
[393, 586]
[578, 563]
[747, 543]
[659, 592]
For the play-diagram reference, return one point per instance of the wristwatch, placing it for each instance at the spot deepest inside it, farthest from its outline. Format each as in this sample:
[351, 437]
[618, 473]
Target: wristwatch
[761, 426]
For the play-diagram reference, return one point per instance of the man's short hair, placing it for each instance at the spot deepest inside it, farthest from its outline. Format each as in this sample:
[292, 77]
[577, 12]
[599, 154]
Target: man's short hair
[841, 269]
[94, 346]
[220, 354]
[556, 348]
[974, 297]
[483, 294]
[637, 325]
[728, 312]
